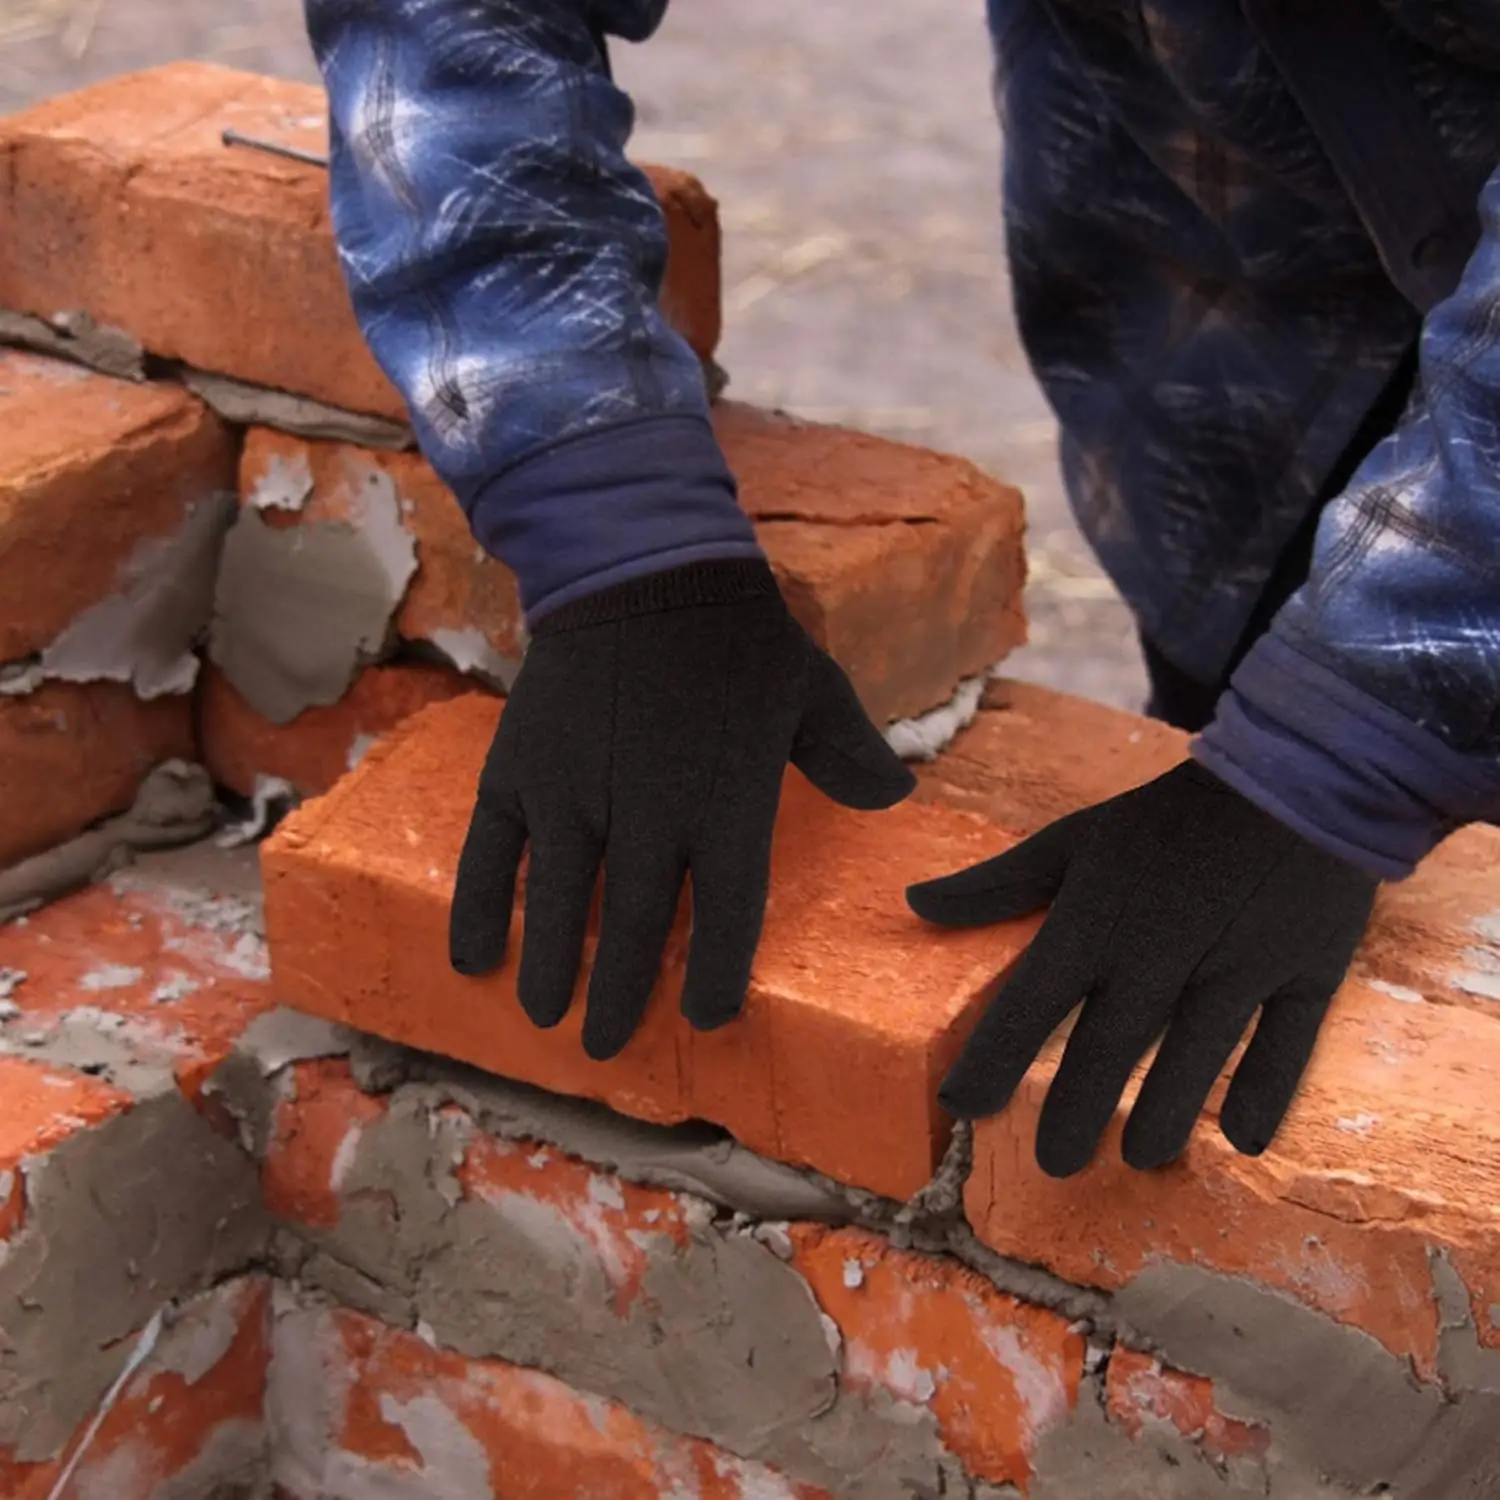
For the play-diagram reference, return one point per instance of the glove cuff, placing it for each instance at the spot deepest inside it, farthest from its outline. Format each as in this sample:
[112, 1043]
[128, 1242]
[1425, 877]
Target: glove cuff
[718, 581]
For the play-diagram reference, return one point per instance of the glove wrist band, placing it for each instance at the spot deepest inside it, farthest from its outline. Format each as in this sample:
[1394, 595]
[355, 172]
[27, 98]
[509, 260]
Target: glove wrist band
[721, 581]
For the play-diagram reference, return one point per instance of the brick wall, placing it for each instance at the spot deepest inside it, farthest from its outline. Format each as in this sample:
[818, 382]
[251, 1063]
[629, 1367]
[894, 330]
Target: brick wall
[286, 1206]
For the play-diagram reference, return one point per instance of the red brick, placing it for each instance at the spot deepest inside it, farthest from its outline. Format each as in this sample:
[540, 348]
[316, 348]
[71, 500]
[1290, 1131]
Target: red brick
[906, 565]
[41, 1106]
[1140, 1393]
[72, 753]
[1391, 1150]
[538, 1437]
[855, 1012]
[997, 1374]
[175, 969]
[318, 1123]
[90, 468]
[320, 744]
[122, 200]
[164, 1423]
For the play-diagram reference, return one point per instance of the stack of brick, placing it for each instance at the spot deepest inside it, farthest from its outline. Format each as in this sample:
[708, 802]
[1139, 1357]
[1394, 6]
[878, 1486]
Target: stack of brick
[201, 279]
[287, 1207]
[752, 1264]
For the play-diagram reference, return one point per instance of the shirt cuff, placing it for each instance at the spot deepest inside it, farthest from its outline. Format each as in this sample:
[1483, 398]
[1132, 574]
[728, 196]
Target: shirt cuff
[1349, 774]
[615, 504]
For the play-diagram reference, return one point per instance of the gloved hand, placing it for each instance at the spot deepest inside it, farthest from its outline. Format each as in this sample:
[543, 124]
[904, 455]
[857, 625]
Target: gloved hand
[650, 729]
[1177, 910]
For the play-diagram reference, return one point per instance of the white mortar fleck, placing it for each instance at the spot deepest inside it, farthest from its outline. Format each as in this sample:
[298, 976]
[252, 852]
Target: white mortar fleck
[111, 977]
[1038, 1385]
[1361, 1124]
[854, 1274]
[605, 1191]
[1401, 992]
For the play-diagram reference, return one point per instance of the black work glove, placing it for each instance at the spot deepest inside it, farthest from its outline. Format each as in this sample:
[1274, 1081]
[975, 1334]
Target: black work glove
[1177, 910]
[650, 730]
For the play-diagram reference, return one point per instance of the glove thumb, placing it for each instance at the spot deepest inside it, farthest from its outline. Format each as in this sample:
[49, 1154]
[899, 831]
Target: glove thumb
[840, 750]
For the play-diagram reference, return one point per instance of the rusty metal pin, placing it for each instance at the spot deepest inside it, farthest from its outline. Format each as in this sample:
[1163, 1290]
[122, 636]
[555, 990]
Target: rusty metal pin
[233, 137]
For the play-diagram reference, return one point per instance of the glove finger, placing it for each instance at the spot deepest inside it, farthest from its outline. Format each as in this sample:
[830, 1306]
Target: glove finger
[840, 751]
[1214, 1013]
[1266, 1080]
[1015, 884]
[730, 880]
[642, 886]
[1052, 976]
[1120, 1020]
[484, 891]
[560, 885]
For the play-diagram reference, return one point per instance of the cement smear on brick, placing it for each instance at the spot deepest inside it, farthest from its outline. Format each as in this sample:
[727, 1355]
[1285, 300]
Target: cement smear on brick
[175, 805]
[724, 1340]
[145, 632]
[1335, 1398]
[146, 1208]
[300, 610]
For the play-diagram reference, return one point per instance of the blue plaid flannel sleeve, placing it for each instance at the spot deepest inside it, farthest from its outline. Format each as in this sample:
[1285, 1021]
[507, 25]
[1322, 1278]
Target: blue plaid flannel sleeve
[1369, 715]
[504, 260]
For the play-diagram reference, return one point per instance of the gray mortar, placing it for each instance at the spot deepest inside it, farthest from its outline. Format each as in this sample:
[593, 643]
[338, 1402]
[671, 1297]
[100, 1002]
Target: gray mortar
[724, 1341]
[1465, 1364]
[93, 1041]
[75, 336]
[175, 805]
[144, 634]
[144, 1209]
[247, 405]
[1335, 1398]
[300, 610]
[501, 1284]
[1091, 1459]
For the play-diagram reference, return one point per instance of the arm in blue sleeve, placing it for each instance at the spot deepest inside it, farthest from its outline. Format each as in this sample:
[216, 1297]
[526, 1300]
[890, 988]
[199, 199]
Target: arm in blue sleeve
[1368, 717]
[504, 260]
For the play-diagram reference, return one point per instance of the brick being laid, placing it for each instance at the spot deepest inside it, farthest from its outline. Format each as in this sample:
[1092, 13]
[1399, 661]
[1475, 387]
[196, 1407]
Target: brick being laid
[123, 201]
[855, 1010]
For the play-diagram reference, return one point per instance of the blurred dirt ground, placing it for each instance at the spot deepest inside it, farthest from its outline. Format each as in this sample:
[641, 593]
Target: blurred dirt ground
[853, 148]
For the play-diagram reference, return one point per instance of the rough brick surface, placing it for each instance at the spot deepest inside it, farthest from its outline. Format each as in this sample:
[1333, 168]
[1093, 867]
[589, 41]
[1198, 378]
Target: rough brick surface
[71, 753]
[189, 1422]
[855, 1012]
[905, 564]
[121, 200]
[407, 1419]
[1390, 1151]
[996, 1374]
[320, 744]
[1140, 1393]
[91, 468]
